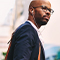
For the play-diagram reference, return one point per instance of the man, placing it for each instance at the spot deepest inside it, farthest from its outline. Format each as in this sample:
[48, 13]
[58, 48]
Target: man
[25, 43]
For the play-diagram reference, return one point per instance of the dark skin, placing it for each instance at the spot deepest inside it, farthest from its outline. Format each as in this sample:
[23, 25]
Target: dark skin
[40, 16]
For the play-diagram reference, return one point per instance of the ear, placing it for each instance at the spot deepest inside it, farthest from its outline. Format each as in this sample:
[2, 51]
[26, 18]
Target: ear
[31, 10]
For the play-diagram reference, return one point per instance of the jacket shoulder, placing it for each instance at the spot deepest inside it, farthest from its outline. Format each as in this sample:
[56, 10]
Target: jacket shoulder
[24, 27]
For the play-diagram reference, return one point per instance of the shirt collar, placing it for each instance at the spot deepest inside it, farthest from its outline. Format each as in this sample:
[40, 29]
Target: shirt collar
[33, 25]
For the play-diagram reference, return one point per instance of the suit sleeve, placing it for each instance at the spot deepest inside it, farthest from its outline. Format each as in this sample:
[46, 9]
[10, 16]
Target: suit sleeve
[24, 43]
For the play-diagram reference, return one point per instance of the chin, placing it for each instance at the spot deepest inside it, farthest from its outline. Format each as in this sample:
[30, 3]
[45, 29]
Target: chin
[43, 23]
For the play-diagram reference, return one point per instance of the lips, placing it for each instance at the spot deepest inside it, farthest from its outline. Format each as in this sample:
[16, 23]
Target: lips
[46, 18]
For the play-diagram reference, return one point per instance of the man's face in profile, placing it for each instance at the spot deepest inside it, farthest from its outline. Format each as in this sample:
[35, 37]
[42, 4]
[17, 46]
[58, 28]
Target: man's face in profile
[42, 11]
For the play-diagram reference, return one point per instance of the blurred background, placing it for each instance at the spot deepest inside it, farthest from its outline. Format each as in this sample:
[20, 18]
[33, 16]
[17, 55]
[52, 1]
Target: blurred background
[15, 12]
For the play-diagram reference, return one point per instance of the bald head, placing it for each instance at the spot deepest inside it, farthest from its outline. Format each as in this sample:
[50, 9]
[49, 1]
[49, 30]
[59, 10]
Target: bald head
[39, 12]
[36, 3]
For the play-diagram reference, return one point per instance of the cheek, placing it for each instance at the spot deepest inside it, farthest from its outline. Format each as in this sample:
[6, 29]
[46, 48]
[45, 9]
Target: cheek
[39, 13]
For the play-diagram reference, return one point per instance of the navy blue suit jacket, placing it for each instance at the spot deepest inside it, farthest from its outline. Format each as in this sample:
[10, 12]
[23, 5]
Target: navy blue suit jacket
[25, 44]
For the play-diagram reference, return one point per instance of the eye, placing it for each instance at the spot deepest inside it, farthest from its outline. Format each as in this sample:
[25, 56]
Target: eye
[44, 7]
[49, 10]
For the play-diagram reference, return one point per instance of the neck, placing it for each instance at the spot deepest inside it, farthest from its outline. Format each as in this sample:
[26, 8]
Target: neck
[30, 18]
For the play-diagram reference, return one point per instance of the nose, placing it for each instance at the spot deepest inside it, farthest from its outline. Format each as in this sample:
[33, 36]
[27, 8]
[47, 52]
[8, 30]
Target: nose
[48, 13]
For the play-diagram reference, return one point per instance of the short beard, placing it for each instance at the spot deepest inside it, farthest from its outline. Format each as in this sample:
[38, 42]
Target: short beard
[41, 22]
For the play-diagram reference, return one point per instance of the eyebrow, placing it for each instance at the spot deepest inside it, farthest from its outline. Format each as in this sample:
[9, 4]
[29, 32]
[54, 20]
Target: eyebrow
[37, 6]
